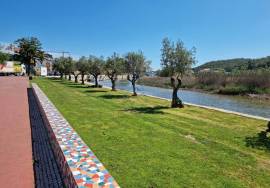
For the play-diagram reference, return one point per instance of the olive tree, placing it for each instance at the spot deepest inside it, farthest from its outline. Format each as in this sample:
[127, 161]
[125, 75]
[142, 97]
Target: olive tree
[135, 66]
[75, 70]
[113, 67]
[82, 66]
[68, 66]
[30, 51]
[64, 66]
[59, 66]
[95, 67]
[177, 60]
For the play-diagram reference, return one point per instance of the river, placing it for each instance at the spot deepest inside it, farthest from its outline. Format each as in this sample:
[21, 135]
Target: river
[231, 103]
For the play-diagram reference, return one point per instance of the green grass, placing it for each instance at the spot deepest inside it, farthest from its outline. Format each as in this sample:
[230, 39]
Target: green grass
[143, 143]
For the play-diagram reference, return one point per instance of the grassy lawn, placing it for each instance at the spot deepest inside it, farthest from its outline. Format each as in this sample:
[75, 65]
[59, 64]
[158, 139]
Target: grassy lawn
[143, 143]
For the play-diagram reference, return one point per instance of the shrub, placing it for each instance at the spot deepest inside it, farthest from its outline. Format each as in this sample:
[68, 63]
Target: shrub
[233, 90]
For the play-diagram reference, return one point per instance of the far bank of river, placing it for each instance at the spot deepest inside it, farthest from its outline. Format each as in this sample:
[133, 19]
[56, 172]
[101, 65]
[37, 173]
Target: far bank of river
[238, 104]
[234, 91]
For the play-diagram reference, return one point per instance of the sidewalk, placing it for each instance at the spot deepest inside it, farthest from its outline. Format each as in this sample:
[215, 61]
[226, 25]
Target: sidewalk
[15, 134]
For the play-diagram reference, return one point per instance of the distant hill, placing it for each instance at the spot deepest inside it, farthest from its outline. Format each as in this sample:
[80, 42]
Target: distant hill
[231, 65]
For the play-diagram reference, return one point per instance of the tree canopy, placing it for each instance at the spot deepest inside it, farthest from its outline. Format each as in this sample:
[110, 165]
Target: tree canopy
[30, 51]
[60, 66]
[4, 57]
[95, 67]
[113, 67]
[136, 65]
[175, 58]
[83, 67]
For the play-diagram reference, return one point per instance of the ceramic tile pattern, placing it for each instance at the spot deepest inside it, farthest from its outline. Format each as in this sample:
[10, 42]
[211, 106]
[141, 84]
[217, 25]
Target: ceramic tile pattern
[79, 166]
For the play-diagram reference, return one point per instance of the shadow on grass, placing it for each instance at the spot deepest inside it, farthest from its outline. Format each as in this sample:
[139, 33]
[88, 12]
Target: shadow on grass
[114, 96]
[61, 81]
[261, 141]
[77, 86]
[56, 79]
[95, 91]
[93, 86]
[70, 84]
[149, 110]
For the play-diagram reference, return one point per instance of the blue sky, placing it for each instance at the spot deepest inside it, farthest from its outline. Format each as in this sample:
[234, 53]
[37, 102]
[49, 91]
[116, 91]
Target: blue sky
[219, 29]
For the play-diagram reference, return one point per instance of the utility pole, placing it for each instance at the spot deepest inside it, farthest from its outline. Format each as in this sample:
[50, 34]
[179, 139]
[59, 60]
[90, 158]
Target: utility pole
[63, 53]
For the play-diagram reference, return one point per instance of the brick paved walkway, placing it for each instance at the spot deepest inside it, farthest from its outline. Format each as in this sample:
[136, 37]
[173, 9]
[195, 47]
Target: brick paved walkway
[16, 169]
[47, 173]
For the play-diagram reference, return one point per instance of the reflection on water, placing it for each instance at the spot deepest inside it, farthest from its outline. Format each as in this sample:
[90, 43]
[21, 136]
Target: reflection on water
[218, 101]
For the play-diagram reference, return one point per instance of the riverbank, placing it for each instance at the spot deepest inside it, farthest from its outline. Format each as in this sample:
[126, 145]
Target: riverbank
[144, 143]
[231, 103]
[189, 84]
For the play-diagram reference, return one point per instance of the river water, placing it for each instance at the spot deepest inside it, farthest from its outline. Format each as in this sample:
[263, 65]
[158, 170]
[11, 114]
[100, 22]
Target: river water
[231, 103]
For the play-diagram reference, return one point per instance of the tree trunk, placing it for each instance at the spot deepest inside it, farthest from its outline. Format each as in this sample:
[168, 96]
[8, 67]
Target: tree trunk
[82, 79]
[76, 78]
[69, 77]
[176, 101]
[113, 85]
[96, 81]
[27, 66]
[61, 75]
[134, 88]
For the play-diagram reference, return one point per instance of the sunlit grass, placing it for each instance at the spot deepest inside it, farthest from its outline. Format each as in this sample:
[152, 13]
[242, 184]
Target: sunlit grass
[144, 143]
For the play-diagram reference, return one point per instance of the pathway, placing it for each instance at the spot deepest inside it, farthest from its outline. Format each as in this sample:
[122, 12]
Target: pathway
[15, 134]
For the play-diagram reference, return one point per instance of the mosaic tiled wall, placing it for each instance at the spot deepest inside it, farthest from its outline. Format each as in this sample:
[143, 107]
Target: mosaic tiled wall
[80, 167]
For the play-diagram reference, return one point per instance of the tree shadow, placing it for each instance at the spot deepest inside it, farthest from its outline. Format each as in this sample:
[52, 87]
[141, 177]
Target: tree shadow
[261, 141]
[56, 79]
[72, 84]
[77, 86]
[93, 86]
[114, 96]
[95, 91]
[149, 110]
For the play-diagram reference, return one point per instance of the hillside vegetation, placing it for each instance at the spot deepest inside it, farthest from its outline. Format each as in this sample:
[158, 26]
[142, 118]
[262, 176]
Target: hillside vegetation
[236, 83]
[240, 76]
[238, 64]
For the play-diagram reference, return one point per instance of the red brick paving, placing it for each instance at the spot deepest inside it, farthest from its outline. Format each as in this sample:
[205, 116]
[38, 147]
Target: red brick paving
[16, 166]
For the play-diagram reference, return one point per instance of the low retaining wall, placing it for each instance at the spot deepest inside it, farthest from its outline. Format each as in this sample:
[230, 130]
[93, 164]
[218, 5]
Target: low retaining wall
[79, 166]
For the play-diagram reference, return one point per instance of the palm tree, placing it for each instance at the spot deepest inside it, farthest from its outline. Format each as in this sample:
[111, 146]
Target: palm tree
[30, 51]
